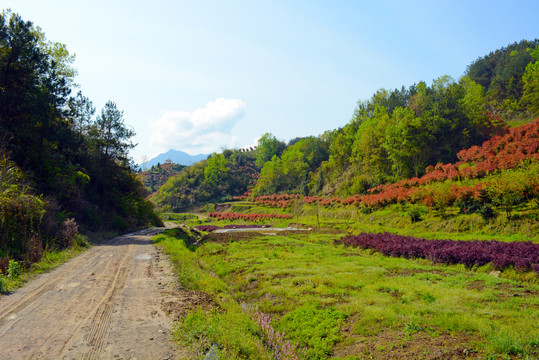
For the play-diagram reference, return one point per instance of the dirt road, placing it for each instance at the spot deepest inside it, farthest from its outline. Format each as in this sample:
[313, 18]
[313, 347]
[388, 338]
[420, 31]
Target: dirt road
[105, 304]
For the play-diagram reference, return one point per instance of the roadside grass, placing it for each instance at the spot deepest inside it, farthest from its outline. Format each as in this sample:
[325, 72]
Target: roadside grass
[225, 324]
[49, 260]
[236, 336]
[370, 305]
[192, 274]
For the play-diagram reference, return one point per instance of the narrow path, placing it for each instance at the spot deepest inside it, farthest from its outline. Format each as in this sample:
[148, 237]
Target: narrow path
[103, 304]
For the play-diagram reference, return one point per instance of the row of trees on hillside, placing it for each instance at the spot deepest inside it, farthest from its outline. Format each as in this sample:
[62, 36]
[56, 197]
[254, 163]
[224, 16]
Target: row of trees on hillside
[392, 136]
[219, 177]
[294, 170]
[397, 134]
[74, 163]
[502, 173]
[234, 173]
[510, 78]
[388, 141]
[157, 175]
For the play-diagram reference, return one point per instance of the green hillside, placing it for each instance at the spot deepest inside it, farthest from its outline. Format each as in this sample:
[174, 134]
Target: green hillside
[409, 233]
[395, 135]
[63, 168]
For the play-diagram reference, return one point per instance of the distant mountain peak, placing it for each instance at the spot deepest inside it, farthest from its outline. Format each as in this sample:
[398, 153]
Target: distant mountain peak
[177, 157]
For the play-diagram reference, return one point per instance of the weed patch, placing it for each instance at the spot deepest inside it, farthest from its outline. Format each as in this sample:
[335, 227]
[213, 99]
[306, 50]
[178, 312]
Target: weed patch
[315, 328]
[191, 274]
[3, 285]
[16, 275]
[235, 335]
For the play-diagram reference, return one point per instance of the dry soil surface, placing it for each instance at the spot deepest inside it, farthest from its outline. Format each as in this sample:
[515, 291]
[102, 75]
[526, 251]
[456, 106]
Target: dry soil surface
[107, 303]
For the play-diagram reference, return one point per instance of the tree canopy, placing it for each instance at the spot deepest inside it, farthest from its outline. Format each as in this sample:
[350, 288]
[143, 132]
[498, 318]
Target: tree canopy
[395, 135]
[75, 165]
[268, 146]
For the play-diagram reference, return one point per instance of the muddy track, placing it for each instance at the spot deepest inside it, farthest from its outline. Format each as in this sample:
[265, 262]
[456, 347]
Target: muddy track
[104, 304]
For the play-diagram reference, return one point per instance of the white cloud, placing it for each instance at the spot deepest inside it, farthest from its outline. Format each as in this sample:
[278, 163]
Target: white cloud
[202, 131]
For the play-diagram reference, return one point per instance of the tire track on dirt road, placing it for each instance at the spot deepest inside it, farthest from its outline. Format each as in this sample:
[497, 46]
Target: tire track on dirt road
[96, 336]
[8, 308]
[45, 283]
[106, 303]
[106, 263]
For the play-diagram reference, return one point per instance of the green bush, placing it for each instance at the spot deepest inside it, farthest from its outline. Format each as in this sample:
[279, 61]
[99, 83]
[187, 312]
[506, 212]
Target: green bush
[13, 270]
[81, 241]
[487, 212]
[3, 285]
[415, 212]
[20, 211]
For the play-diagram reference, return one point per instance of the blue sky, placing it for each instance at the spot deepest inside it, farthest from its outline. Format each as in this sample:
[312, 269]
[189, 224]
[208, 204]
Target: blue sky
[203, 75]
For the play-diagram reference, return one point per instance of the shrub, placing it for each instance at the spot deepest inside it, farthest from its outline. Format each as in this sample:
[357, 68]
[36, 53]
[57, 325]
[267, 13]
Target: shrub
[70, 231]
[13, 270]
[4, 262]
[3, 285]
[20, 211]
[70, 235]
[34, 248]
[81, 241]
[487, 212]
[248, 217]
[415, 212]
[523, 255]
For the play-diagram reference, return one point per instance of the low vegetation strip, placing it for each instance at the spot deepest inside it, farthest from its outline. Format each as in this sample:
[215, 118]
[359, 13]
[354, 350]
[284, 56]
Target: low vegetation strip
[210, 228]
[520, 255]
[247, 217]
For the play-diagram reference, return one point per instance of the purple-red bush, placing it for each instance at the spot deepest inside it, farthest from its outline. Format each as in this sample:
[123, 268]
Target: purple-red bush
[234, 226]
[247, 217]
[210, 228]
[521, 255]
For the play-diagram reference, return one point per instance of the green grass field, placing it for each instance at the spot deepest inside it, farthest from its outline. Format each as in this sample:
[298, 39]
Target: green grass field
[343, 303]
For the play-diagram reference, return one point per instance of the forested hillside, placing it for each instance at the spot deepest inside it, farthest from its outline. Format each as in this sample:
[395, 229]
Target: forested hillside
[498, 176]
[61, 164]
[224, 175]
[395, 135]
[157, 175]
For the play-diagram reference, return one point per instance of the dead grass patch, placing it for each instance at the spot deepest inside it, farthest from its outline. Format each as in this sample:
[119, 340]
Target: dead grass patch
[180, 303]
[398, 345]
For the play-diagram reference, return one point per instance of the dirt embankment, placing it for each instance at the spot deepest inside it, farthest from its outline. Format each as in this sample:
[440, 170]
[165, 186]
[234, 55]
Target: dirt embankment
[108, 303]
